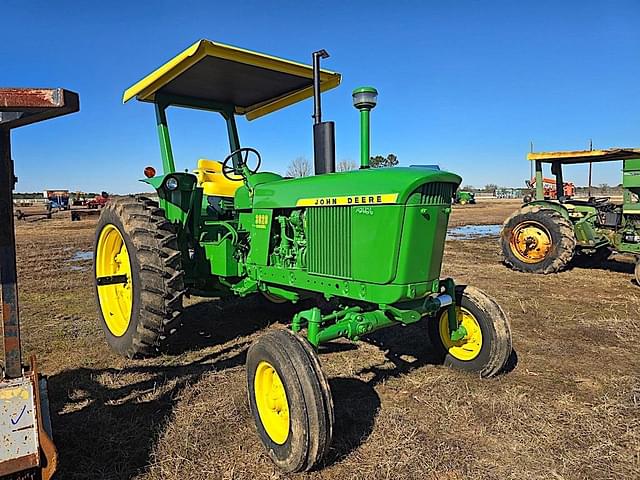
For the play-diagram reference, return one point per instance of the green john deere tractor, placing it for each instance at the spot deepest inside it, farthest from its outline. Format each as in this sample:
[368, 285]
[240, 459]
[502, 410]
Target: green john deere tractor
[463, 197]
[369, 240]
[545, 235]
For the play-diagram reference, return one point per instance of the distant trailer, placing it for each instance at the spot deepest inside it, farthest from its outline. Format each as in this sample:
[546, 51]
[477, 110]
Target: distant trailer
[509, 193]
[57, 198]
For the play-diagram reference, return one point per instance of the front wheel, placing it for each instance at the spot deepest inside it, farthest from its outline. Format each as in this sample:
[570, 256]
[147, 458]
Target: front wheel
[290, 400]
[486, 345]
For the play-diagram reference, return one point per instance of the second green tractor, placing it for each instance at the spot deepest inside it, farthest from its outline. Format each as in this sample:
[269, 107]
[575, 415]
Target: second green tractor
[544, 236]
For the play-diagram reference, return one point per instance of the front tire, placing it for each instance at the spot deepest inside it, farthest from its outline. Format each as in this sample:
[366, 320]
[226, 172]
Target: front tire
[537, 240]
[486, 347]
[138, 277]
[290, 400]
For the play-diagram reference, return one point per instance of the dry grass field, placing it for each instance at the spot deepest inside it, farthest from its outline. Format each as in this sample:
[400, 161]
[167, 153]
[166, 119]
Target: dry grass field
[567, 408]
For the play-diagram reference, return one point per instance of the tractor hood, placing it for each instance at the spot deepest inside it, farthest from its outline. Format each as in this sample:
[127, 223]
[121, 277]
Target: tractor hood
[371, 186]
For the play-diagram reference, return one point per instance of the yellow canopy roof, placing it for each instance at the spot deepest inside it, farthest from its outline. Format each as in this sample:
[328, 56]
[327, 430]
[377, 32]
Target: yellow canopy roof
[585, 156]
[254, 83]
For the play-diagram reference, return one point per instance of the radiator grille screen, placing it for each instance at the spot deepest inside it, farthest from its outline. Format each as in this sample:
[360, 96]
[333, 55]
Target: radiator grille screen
[329, 241]
[435, 193]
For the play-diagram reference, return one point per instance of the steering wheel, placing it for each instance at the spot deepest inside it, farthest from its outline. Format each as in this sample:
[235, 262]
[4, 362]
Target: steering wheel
[599, 200]
[231, 173]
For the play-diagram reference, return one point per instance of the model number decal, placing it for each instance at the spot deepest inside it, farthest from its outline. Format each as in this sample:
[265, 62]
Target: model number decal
[375, 199]
[262, 220]
[364, 210]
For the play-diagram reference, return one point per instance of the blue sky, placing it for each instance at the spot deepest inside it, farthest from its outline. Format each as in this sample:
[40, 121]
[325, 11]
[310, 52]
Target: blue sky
[465, 84]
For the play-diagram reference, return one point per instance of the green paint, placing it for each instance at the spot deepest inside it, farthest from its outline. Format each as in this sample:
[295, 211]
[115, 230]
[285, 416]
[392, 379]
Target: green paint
[365, 131]
[539, 181]
[166, 153]
[458, 334]
[365, 125]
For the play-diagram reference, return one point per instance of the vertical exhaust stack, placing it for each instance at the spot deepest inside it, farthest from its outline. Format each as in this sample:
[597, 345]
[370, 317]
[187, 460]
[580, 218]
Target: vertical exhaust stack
[324, 133]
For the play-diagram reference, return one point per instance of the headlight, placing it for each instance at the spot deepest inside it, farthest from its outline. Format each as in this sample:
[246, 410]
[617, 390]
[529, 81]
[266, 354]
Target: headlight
[171, 183]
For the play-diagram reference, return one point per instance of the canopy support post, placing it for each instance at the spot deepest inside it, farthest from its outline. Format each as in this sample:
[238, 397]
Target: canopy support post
[168, 164]
[232, 131]
[539, 181]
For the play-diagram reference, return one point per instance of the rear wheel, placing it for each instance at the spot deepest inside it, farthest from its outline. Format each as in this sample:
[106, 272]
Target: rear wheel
[486, 345]
[637, 271]
[537, 240]
[138, 276]
[290, 400]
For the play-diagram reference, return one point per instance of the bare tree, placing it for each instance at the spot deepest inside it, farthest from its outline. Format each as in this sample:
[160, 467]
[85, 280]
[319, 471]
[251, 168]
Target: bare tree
[299, 167]
[346, 165]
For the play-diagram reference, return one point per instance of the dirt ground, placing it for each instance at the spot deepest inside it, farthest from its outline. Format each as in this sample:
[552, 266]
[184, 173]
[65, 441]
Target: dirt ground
[567, 408]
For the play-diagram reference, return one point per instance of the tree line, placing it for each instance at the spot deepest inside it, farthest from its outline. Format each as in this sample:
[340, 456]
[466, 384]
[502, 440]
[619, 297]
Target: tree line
[301, 166]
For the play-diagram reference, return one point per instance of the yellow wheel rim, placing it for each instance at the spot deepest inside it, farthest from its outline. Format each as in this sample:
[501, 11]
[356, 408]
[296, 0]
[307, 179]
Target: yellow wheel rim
[116, 301]
[467, 348]
[530, 242]
[271, 400]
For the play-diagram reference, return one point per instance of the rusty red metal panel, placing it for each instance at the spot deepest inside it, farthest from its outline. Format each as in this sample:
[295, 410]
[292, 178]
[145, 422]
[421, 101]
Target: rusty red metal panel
[18, 465]
[14, 99]
[23, 106]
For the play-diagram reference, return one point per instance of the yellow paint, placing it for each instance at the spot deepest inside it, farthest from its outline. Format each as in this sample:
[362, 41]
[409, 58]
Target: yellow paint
[373, 199]
[13, 393]
[116, 301]
[530, 242]
[146, 88]
[271, 401]
[586, 154]
[213, 182]
[467, 348]
[257, 111]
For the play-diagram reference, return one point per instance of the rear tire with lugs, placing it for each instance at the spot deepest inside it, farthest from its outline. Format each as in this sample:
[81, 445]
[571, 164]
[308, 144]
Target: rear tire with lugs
[138, 276]
[537, 240]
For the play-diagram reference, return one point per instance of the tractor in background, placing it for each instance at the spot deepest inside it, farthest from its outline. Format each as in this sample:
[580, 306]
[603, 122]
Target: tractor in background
[462, 197]
[99, 201]
[369, 240]
[549, 189]
[545, 235]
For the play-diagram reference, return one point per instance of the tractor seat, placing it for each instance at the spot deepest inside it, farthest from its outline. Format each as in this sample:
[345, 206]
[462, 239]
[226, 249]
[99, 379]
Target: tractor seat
[213, 182]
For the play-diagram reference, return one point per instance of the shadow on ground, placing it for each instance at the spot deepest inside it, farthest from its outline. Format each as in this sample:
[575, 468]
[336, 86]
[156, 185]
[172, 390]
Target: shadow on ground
[106, 420]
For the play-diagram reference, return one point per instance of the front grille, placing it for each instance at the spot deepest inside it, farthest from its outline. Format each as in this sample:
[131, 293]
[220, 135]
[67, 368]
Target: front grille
[329, 241]
[432, 194]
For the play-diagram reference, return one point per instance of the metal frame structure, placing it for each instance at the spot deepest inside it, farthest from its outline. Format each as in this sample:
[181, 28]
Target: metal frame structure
[20, 107]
